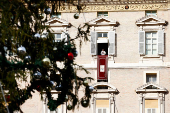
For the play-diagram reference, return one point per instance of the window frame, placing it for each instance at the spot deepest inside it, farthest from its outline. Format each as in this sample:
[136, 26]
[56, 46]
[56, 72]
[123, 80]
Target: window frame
[151, 43]
[57, 40]
[58, 15]
[103, 13]
[151, 12]
[154, 72]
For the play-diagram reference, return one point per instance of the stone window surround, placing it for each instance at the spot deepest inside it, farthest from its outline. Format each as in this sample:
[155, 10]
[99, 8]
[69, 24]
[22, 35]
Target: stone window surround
[151, 29]
[160, 97]
[97, 94]
[144, 76]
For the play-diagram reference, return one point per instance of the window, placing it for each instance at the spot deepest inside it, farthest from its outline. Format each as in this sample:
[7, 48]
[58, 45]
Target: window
[57, 37]
[102, 106]
[148, 13]
[102, 110]
[102, 42]
[151, 77]
[58, 15]
[151, 106]
[151, 110]
[102, 13]
[151, 43]
[102, 35]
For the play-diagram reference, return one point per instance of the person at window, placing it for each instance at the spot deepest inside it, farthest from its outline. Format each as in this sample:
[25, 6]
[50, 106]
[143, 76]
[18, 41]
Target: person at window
[103, 52]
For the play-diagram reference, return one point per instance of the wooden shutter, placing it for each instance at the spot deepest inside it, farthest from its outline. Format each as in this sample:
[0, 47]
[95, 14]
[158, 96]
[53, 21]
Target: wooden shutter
[142, 42]
[161, 42]
[111, 36]
[93, 43]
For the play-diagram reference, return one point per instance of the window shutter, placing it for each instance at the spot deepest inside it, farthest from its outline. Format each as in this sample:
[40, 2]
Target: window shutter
[93, 43]
[142, 42]
[111, 36]
[63, 36]
[161, 42]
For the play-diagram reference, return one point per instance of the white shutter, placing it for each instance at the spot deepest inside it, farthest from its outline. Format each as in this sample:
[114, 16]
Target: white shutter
[111, 36]
[142, 42]
[93, 43]
[161, 42]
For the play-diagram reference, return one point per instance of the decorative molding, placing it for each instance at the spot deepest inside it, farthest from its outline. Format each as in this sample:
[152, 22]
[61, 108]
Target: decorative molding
[150, 20]
[143, 88]
[103, 21]
[117, 7]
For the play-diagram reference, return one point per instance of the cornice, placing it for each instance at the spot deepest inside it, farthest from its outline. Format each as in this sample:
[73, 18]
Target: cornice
[112, 6]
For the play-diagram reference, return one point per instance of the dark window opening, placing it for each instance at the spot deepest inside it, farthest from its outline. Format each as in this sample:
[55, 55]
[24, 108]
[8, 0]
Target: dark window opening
[102, 46]
[102, 87]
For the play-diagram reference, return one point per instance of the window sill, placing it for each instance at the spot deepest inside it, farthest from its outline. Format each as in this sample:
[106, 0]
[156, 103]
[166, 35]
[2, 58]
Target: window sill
[151, 56]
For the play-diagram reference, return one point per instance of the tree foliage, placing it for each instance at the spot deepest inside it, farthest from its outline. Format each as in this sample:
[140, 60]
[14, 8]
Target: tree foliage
[21, 20]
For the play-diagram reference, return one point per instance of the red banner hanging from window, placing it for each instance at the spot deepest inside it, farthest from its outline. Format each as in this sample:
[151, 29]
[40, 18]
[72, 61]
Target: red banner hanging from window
[102, 62]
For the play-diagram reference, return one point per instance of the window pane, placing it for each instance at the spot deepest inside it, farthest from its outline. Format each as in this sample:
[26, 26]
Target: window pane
[153, 78]
[99, 34]
[148, 35]
[154, 52]
[148, 110]
[154, 40]
[99, 110]
[58, 35]
[154, 34]
[148, 79]
[154, 46]
[148, 40]
[148, 52]
[104, 34]
[148, 46]
[104, 111]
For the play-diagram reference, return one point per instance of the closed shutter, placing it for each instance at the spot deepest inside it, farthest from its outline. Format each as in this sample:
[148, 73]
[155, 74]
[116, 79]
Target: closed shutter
[142, 42]
[63, 36]
[161, 42]
[93, 43]
[111, 36]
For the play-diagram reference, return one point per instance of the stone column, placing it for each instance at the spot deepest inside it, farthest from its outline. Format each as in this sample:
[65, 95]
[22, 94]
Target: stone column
[94, 104]
[111, 103]
[141, 106]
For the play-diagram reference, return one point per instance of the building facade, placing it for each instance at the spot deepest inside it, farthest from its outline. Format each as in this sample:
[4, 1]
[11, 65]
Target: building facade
[133, 75]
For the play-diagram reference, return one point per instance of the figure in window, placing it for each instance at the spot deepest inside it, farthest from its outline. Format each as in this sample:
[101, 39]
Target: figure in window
[103, 52]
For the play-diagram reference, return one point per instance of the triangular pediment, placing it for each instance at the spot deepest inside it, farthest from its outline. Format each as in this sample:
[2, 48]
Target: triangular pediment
[151, 87]
[150, 20]
[56, 22]
[102, 20]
